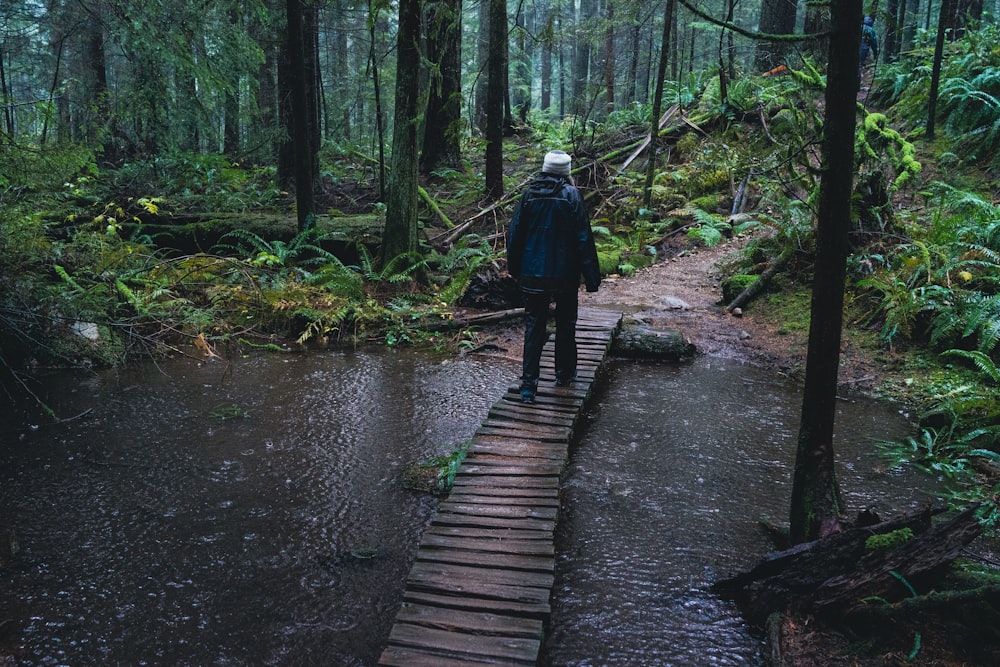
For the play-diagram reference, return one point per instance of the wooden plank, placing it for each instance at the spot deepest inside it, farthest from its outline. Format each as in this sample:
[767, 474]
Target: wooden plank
[488, 533]
[520, 650]
[528, 412]
[447, 519]
[439, 584]
[509, 561]
[482, 623]
[495, 467]
[480, 545]
[481, 575]
[534, 609]
[500, 511]
[495, 482]
[405, 656]
[503, 499]
[522, 434]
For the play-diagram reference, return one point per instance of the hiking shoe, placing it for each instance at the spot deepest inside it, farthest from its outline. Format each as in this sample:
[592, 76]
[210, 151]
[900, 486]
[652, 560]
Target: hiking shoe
[527, 396]
[565, 381]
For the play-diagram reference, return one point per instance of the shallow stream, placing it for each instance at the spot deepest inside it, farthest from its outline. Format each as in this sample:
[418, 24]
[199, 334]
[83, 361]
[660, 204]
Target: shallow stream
[253, 513]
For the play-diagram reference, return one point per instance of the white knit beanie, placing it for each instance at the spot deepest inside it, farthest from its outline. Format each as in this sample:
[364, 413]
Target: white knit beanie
[556, 162]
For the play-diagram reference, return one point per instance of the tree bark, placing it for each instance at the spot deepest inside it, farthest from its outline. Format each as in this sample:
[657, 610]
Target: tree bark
[943, 19]
[777, 17]
[654, 131]
[495, 99]
[300, 130]
[816, 502]
[401, 203]
[444, 104]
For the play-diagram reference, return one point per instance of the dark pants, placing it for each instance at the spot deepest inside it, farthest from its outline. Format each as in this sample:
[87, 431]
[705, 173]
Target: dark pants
[536, 315]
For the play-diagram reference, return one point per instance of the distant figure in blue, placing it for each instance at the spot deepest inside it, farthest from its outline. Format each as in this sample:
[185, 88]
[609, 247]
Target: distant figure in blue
[869, 43]
[549, 246]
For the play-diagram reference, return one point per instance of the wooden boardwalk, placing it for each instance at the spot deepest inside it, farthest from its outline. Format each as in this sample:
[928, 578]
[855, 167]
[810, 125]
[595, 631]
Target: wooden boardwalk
[478, 593]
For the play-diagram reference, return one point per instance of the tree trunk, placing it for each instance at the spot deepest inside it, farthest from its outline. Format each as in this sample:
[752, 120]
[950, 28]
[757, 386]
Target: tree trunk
[482, 66]
[443, 130]
[299, 129]
[495, 98]
[943, 19]
[654, 132]
[890, 45]
[401, 202]
[373, 23]
[582, 75]
[547, 36]
[777, 17]
[609, 57]
[816, 502]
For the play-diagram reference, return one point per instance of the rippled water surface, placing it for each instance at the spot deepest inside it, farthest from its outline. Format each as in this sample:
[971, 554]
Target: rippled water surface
[254, 514]
[663, 496]
[227, 515]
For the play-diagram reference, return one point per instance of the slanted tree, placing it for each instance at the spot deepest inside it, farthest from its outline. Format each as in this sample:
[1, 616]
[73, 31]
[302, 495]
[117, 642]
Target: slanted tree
[816, 503]
[400, 236]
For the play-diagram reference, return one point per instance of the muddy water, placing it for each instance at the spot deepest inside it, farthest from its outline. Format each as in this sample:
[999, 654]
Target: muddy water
[663, 497]
[215, 515]
[253, 514]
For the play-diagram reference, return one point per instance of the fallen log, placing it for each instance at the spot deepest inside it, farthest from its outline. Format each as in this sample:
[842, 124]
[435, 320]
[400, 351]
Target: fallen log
[835, 573]
[758, 286]
[643, 342]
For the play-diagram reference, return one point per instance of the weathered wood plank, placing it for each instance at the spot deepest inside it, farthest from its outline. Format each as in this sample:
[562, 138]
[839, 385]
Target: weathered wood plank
[495, 467]
[448, 519]
[487, 533]
[499, 511]
[522, 434]
[406, 656]
[445, 576]
[480, 545]
[511, 561]
[479, 482]
[534, 609]
[459, 644]
[503, 499]
[482, 623]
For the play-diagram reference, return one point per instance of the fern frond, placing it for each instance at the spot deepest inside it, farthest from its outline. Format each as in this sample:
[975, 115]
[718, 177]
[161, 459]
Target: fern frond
[983, 363]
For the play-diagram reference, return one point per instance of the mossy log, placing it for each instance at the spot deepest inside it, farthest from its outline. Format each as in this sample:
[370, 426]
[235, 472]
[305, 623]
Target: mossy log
[200, 232]
[640, 341]
[836, 573]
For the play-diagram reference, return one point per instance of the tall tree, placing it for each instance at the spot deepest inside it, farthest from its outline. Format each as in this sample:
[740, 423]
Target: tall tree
[299, 130]
[654, 131]
[777, 17]
[816, 503]
[442, 134]
[944, 22]
[400, 236]
[495, 99]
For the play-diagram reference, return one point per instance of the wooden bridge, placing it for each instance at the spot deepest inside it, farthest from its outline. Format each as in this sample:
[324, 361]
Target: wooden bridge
[478, 593]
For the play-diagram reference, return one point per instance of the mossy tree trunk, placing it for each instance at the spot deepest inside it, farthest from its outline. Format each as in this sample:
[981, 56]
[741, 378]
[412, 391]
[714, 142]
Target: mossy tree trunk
[401, 201]
[816, 502]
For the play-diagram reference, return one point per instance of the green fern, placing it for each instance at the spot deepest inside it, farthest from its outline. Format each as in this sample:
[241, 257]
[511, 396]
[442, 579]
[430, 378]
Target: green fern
[983, 362]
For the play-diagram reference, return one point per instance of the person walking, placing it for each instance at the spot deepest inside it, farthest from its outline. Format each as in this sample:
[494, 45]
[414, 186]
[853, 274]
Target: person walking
[549, 246]
[869, 44]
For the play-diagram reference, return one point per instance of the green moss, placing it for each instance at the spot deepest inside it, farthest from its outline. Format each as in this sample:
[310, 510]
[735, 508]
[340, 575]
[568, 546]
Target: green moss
[889, 540]
[609, 261]
[734, 285]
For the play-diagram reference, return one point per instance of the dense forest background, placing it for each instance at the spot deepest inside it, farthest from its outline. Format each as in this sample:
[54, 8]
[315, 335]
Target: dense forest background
[256, 174]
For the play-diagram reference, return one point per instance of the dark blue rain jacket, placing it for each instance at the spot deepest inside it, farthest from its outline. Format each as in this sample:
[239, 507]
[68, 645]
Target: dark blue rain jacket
[549, 241]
